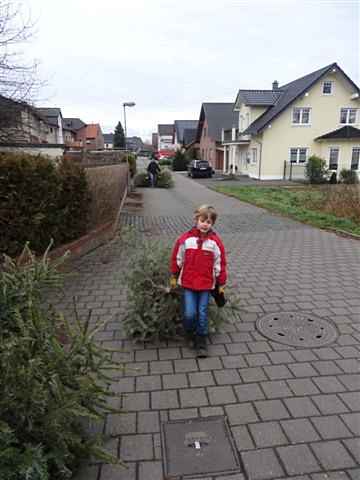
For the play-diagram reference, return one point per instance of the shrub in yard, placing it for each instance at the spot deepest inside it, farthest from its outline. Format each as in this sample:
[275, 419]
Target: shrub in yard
[48, 391]
[165, 162]
[164, 180]
[350, 177]
[40, 200]
[315, 170]
[141, 180]
[343, 201]
[154, 311]
[180, 161]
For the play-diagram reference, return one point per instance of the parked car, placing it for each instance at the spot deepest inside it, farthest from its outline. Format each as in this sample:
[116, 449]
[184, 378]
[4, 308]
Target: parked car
[163, 154]
[200, 168]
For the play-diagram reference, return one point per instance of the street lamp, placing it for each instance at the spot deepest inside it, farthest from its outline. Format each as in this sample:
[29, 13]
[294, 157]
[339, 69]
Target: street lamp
[127, 104]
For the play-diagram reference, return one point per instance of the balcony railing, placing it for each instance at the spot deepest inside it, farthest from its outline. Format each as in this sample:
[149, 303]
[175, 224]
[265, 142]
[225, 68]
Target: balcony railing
[233, 135]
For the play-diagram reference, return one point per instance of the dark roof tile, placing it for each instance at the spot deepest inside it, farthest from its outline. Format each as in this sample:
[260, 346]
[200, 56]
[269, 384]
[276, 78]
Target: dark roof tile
[348, 131]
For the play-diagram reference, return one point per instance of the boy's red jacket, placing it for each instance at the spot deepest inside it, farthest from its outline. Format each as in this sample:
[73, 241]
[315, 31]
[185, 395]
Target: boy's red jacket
[199, 260]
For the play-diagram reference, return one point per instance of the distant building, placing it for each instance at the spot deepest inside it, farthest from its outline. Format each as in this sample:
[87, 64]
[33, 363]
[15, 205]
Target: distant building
[166, 137]
[134, 143]
[179, 128]
[53, 118]
[154, 140]
[71, 126]
[91, 137]
[108, 141]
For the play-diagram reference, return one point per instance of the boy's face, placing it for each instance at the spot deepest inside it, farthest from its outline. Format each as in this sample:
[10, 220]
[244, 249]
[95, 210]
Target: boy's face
[204, 224]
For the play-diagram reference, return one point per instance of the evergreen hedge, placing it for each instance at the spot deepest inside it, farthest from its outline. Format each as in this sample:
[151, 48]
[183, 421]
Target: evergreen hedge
[39, 201]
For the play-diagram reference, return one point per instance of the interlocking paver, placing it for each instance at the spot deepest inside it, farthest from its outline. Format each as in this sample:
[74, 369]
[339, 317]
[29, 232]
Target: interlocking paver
[267, 434]
[193, 397]
[298, 459]
[254, 374]
[248, 392]
[241, 414]
[150, 471]
[271, 410]
[136, 447]
[201, 379]
[332, 455]
[331, 427]
[262, 464]
[227, 377]
[301, 407]
[328, 404]
[148, 422]
[178, 380]
[185, 365]
[269, 382]
[111, 472]
[329, 384]
[276, 389]
[221, 395]
[164, 399]
[303, 386]
[147, 383]
[300, 430]
[120, 423]
[352, 420]
[136, 401]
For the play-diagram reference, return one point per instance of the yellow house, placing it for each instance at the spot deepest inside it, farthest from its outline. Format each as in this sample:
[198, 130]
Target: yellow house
[279, 129]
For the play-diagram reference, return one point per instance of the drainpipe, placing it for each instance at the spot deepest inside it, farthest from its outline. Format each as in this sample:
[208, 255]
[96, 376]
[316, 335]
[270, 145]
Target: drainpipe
[259, 143]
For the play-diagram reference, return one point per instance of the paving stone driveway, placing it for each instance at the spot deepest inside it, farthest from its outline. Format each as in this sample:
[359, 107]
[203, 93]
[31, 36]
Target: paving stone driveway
[294, 412]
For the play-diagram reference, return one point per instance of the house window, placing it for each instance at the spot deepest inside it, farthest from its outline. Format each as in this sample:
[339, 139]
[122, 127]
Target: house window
[327, 88]
[301, 116]
[241, 123]
[254, 155]
[348, 115]
[298, 155]
[355, 158]
[247, 119]
[333, 158]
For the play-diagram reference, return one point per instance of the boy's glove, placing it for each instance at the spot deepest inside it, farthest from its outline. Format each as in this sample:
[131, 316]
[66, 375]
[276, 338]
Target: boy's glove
[173, 281]
[222, 289]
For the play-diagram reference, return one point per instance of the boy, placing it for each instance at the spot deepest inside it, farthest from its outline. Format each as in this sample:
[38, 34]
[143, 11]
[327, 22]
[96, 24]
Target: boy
[198, 263]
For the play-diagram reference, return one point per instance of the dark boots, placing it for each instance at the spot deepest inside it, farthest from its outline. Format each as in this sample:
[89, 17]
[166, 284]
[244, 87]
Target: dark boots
[201, 346]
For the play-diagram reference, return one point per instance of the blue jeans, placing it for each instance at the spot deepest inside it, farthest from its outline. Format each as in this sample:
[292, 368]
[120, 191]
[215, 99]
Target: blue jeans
[195, 309]
[153, 179]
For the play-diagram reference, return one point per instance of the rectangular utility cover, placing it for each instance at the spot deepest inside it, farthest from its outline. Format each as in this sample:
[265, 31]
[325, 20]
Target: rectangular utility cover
[198, 447]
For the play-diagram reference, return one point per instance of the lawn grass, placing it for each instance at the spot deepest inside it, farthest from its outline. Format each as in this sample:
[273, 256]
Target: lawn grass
[304, 205]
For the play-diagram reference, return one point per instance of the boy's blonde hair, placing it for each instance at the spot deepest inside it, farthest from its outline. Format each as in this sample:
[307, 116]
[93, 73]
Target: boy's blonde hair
[205, 212]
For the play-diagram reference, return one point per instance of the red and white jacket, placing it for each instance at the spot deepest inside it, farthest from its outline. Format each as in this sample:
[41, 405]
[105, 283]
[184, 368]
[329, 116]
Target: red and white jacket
[199, 260]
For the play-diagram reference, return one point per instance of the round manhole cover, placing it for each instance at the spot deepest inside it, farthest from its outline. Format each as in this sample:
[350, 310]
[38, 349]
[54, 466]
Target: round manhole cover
[298, 329]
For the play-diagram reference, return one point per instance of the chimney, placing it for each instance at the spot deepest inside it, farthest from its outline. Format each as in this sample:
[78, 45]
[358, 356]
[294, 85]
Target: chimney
[275, 85]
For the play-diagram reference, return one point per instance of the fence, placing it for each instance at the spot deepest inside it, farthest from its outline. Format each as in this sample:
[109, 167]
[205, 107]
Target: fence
[294, 171]
[96, 158]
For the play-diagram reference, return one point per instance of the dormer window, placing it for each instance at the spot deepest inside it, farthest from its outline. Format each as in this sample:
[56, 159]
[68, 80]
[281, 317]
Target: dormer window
[348, 115]
[301, 116]
[327, 87]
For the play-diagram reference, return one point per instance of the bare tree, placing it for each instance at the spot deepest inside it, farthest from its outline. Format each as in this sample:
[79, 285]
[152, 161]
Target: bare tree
[18, 78]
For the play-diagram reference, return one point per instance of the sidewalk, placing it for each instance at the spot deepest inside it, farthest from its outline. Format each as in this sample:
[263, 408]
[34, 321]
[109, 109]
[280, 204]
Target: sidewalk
[294, 412]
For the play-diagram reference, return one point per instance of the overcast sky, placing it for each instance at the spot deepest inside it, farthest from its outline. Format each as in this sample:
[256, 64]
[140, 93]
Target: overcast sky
[170, 56]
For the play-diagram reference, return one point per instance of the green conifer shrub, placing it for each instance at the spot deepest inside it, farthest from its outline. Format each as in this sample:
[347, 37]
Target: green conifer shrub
[53, 380]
